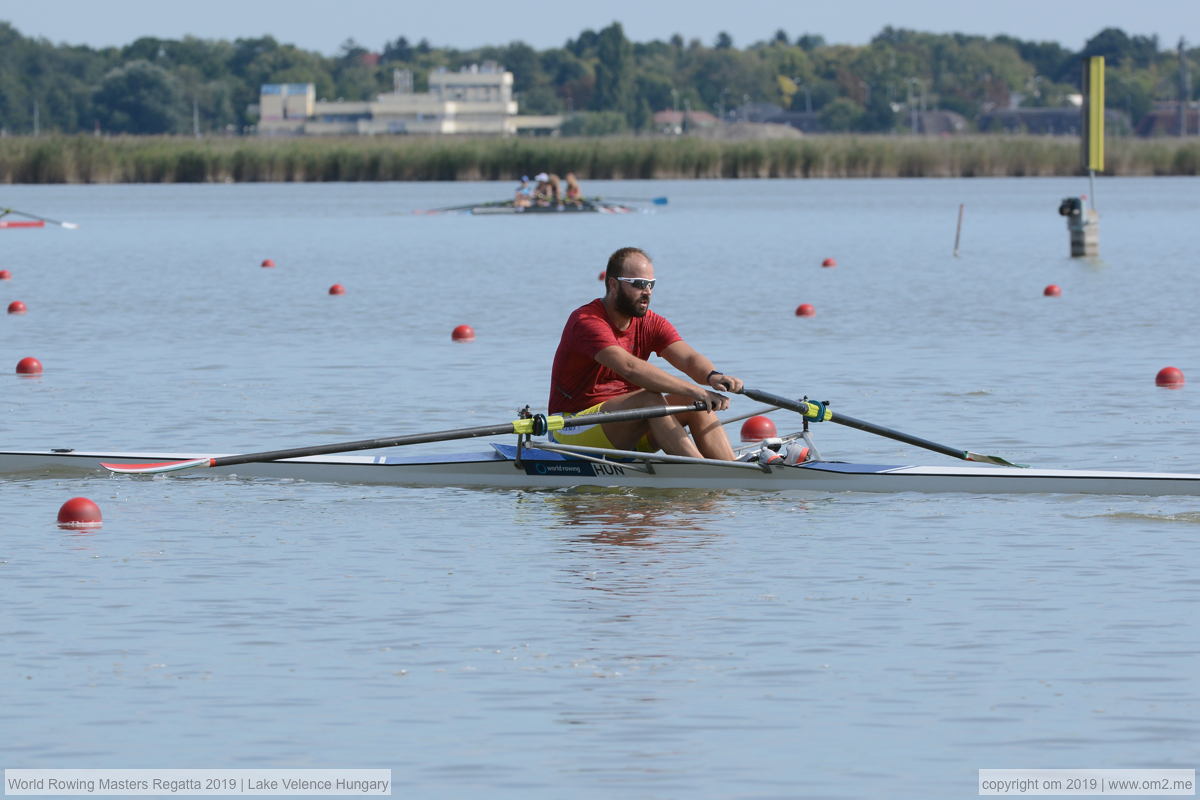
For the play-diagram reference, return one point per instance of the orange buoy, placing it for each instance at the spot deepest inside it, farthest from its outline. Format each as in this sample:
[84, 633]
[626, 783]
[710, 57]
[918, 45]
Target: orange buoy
[337, 288]
[16, 307]
[5, 275]
[1052, 291]
[829, 262]
[268, 262]
[29, 366]
[463, 333]
[79, 512]
[805, 310]
[757, 428]
[1169, 378]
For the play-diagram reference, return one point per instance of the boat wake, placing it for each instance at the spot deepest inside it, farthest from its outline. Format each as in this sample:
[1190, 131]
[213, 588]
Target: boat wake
[1186, 517]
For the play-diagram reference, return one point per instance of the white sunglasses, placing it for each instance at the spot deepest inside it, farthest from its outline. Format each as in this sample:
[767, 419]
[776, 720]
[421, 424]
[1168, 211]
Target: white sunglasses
[640, 283]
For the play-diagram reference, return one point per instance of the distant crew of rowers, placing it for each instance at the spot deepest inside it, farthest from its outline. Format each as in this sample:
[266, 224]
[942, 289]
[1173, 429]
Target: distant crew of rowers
[548, 191]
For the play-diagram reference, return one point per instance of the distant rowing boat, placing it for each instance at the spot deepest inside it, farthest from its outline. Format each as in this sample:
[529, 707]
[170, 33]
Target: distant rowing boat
[30, 221]
[544, 465]
[590, 205]
[586, 207]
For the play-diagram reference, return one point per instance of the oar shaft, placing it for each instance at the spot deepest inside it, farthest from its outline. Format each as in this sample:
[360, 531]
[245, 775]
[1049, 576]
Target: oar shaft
[658, 201]
[517, 426]
[490, 204]
[749, 414]
[810, 410]
[362, 444]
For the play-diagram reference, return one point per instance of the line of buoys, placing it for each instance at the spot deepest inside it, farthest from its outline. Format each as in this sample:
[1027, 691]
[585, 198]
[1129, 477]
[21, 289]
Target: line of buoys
[5, 275]
[806, 310]
[758, 428]
[1053, 290]
[337, 288]
[1169, 378]
[463, 333]
[29, 366]
[79, 512]
[16, 307]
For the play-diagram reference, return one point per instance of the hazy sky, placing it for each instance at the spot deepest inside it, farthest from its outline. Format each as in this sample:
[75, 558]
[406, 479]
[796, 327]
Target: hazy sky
[548, 23]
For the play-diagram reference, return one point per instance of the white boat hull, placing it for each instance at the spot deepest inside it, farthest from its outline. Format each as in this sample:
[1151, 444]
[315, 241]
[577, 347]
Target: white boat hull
[545, 470]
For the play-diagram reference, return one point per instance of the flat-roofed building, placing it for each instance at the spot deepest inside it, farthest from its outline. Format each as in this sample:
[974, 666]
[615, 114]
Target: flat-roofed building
[476, 100]
[279, 101]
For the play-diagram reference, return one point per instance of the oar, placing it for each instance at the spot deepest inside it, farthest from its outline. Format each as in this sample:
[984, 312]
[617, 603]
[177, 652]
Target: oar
[749, 414]
[461, 208]
[4, 211]
[821, 412]
[536, 426]
[658, 201]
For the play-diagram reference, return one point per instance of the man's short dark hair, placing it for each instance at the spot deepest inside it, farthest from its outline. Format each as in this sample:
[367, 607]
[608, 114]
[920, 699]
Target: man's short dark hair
[616, 262]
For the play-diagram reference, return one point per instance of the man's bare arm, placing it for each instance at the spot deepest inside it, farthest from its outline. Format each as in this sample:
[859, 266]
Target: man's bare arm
[699, 367]
[651, 378]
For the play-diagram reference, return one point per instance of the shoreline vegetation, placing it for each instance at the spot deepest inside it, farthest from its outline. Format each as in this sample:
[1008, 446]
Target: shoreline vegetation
[139, 159]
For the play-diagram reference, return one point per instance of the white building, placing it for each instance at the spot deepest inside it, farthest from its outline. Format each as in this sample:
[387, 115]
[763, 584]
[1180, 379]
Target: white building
[477, 100]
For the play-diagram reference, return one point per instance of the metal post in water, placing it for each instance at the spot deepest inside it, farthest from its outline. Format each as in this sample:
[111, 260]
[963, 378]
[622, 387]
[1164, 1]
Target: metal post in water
[1083, 225]
[958, 231]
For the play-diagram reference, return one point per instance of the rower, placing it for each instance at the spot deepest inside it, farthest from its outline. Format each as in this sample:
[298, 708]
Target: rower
[574, 192]
[601, 365]
[524, 196]
[547, 192]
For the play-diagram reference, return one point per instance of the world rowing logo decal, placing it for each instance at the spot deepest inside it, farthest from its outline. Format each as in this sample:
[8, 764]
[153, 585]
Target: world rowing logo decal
[571, 469]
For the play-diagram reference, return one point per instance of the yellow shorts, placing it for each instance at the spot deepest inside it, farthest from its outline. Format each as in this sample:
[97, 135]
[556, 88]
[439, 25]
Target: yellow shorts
[593, 435]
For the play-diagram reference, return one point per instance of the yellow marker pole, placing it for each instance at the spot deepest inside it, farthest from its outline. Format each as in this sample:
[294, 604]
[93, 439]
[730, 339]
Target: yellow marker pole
[1093, 121]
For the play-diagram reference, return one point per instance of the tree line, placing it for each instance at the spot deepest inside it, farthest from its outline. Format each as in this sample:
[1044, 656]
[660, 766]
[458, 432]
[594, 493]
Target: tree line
[602, 81]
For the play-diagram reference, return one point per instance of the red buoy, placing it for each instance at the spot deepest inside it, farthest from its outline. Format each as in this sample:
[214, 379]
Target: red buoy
[5, 275]
[463, 333]
[337, 288]
[79, 512]
[1052, 291]
[758, 428]
[268, 262]
[1169, 378]
[16, 307]
[829, 262]
[29, 366]
[602, 272]
[805, 310]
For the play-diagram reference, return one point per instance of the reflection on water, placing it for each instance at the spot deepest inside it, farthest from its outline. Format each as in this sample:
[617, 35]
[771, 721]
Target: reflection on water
[639, 518]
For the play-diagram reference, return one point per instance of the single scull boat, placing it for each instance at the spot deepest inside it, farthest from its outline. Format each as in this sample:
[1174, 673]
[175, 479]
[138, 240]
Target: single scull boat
[539, 463]
[543, 465]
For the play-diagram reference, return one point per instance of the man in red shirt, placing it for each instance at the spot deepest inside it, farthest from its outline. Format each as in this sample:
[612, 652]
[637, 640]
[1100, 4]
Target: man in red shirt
[601, 365]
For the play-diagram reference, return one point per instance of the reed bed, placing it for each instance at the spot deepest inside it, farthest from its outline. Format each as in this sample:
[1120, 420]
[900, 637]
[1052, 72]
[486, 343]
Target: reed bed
[89, 159]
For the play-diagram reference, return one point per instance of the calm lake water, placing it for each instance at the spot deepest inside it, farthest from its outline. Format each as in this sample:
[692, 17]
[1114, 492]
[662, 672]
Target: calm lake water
[600, 644]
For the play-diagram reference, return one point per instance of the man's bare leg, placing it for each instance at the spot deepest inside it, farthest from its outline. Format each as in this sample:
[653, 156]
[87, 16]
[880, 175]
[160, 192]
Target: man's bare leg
[708, 434]
[667, 432]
